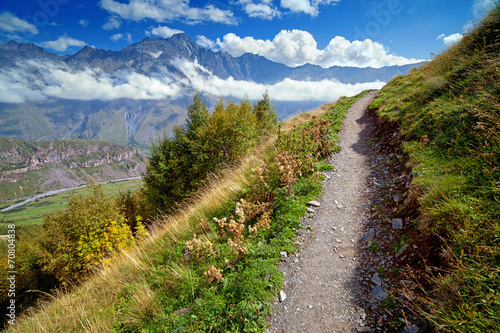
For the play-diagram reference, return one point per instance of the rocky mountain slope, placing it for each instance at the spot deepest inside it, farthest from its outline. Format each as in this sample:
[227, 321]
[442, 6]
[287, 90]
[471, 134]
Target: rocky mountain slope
[30, 167]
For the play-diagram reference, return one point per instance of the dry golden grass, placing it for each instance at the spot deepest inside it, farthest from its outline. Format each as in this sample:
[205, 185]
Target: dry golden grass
[305, 117]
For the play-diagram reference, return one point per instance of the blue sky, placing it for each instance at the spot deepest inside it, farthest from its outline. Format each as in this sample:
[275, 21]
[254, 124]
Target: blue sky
[325, 32]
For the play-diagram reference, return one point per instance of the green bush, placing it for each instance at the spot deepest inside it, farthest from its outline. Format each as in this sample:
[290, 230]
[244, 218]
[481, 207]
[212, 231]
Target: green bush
[84, 236]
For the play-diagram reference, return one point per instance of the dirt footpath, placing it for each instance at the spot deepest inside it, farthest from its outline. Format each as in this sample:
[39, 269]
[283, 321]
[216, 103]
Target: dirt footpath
[323, 288]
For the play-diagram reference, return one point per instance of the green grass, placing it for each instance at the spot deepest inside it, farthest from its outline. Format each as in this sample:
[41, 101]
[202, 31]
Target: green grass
[448, 115]
[33, 212]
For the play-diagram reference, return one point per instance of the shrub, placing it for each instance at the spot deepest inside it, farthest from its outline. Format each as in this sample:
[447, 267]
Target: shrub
[85, 235]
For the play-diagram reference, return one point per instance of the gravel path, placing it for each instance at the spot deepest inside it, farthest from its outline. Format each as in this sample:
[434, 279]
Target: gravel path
[323, 288]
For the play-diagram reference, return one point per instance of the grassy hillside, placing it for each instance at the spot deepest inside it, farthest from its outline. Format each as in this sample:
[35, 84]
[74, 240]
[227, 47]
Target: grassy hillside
[449, 116]
[213, 265]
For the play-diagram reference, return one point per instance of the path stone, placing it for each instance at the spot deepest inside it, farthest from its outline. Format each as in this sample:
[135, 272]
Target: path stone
[376, 279]
[368, 236]
[282, 296]
[314, 203]
[397, 223]
[378, 293]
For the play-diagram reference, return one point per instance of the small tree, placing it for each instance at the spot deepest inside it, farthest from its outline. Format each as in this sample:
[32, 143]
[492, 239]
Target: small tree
[84, 236]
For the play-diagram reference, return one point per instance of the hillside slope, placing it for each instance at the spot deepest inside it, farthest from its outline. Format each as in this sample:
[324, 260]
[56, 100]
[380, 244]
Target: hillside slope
[32, 167]
[448, 113]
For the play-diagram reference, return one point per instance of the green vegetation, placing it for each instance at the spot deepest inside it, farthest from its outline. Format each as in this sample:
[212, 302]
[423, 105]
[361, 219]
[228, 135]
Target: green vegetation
[34, 212]
[209, 142]
[72, 243]
[212, 264]
[448, 114]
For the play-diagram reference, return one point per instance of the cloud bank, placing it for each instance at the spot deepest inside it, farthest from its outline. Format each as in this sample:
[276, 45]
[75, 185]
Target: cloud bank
[63, 43]
[297, 47]
[11, 24]
[451, 39]
[34, 81]
[167, 10]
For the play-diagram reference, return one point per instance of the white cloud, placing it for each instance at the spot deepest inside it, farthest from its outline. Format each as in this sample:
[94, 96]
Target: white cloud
[11, 24]
[84, 22]
[451, 39]
[62, 43]
[305, 6]
[298, 6]
[286, 90]
[205, 42]
[263, 9]
[119, 36]
[33, 80]
[165, 32]
[297, 47]
[440, 36]
[479, 9]
[167, 10]
[113, 22]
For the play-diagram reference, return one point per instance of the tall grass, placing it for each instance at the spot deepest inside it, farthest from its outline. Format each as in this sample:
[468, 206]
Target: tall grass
[448, 113]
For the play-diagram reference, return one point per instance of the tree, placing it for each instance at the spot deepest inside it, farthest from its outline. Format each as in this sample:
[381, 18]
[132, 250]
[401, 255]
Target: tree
[85, 235]
[179, 164]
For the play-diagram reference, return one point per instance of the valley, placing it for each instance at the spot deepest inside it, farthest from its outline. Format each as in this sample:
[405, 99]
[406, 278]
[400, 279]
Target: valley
[28, 168]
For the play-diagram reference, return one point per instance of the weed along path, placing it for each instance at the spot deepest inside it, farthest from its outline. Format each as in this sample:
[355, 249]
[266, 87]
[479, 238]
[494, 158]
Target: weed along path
[323, 287]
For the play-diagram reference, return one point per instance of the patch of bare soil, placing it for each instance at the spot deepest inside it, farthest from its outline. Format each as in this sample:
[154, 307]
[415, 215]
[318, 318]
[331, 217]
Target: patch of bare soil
[350, 274]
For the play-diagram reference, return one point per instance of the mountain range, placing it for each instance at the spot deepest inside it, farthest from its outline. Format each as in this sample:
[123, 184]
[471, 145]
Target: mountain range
[131, 95]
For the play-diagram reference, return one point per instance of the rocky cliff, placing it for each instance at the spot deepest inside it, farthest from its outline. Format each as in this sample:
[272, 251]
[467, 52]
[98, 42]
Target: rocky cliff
[29, 167]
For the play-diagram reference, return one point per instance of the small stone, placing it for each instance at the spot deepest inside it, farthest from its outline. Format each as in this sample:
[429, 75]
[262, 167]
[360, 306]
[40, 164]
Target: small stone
[397, 223]
[339, 206]
[368, 236]
[284, 254]
[342, 256]
[282, 296]
[376, 279]
[310, 306]
[310, 210]
[314, 203]
[182, 311]
[338, 240]
[411, 329]
[397, 198]
[336, 202]
[404, 247]
[335, 249]
[334, 228]
[378, 293]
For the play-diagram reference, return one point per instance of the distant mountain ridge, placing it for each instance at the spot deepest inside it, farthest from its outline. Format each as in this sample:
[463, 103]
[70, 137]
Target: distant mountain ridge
[249, 67]
[131, 95]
